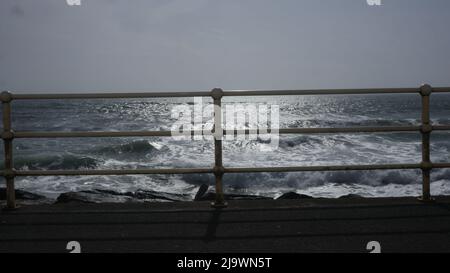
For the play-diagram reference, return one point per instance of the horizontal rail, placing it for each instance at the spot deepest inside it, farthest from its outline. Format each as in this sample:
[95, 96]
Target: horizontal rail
[110, 95]
[225, 93]
[441, 165]
[349, 130]
[319, 92]
[36, 134]
[370, 167]
[441, 127]
[111, 172]
[441, 89]
[323, 168]
[386, 129]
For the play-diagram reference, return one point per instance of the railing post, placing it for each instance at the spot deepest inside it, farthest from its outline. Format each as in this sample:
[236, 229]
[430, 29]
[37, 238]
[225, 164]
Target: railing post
[8, 136]
[426, 128]
[217, 94]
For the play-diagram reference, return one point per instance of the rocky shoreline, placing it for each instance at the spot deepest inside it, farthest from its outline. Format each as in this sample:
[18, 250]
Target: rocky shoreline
[204, 193]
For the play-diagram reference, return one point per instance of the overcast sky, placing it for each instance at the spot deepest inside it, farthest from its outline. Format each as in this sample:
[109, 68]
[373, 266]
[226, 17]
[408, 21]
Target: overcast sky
[171, 45]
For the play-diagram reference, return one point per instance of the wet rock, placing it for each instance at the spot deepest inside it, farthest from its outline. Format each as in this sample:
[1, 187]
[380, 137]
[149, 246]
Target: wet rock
[109, 196]
[294, 195]
[204, 195]
[158, 196]
[22, 195]
[211, 196]
[350, 196]
[91, 197]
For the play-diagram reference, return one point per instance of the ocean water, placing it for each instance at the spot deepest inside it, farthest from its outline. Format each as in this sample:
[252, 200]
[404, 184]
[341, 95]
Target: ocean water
[293, 150]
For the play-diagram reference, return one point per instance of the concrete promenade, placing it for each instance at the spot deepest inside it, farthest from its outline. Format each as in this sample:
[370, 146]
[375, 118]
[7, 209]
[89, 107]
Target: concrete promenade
[310, 225]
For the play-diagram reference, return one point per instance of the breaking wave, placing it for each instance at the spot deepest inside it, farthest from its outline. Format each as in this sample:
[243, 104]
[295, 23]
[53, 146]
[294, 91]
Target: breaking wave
[134, 147]
[56, 162]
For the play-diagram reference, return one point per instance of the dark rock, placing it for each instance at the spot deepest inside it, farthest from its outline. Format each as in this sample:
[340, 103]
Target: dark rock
[158, 196]
[246, 197]
[22, 195]
[205, 193]
[106, 192]
[211, 196]
[109, 196]
[350, 196]
[201, 192]
[294, 195]
[91, 197]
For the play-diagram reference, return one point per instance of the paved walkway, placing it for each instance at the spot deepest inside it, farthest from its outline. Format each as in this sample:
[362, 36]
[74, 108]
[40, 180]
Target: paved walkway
[316, 225]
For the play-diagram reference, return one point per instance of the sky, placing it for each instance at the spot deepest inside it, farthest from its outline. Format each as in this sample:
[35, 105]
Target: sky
[189, 45]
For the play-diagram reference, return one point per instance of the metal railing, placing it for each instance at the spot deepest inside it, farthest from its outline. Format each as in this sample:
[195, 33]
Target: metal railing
[8, 135]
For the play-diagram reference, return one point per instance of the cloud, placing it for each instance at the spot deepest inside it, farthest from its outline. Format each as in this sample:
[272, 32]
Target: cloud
[139, 16]
[177, 7]
[17, 10]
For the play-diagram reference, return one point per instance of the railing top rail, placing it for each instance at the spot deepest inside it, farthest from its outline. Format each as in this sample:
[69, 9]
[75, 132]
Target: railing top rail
[41, 96]
[331, 91]
[29, 96]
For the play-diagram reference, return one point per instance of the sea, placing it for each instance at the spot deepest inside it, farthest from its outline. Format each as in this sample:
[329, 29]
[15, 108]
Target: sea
[292, 150]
